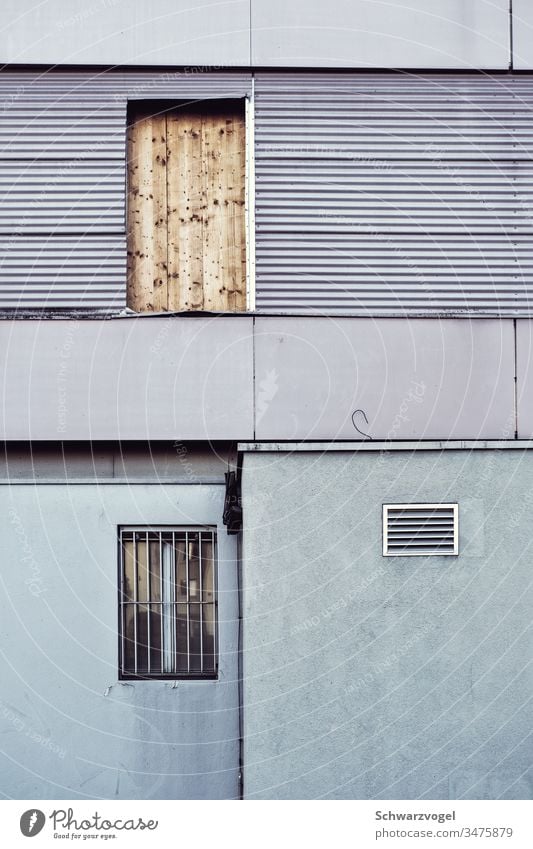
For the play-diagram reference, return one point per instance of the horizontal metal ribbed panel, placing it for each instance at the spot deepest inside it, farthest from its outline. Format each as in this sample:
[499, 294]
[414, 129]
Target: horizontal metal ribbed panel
[394, 197]
[61, 197]
[197, 82]
[396, 273]
[62, 171]
[420, 529]
[61, 115]
[385, 193]
[68, 272]
[394, 115]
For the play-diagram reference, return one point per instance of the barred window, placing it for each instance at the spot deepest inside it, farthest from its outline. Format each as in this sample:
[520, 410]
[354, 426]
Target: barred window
[168, 615]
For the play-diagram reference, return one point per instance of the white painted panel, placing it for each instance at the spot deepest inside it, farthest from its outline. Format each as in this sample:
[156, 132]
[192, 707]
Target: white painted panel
[140, 378]
[380, 33]
[118, 32]
[341, 378]
[522, 35]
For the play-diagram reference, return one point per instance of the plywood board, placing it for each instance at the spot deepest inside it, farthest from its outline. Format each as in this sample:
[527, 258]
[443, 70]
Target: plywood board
[146, 216]
[224, 233]
[186, 211]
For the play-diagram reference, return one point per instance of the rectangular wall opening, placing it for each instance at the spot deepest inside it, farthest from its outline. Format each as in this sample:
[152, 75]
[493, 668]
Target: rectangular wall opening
[186, 206]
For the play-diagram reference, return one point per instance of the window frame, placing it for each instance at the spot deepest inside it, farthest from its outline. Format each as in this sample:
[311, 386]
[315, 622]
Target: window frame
[195, 675]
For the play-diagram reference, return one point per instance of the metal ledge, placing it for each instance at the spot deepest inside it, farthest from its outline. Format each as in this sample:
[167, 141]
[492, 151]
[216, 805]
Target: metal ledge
[376, 445]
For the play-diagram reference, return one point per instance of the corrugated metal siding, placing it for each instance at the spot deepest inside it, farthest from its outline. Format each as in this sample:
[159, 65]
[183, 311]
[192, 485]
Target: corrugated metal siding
[75, 272]
[64, 196]
[394, 192]
[374, 192]
[60, 115]
[62, 171]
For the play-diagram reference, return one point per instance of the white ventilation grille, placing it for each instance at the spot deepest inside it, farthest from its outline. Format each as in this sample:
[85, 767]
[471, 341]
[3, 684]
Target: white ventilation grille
[420, 529]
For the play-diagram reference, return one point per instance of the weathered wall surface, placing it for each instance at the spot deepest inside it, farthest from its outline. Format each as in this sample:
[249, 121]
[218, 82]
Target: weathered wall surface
[373, 677]
[68, 728]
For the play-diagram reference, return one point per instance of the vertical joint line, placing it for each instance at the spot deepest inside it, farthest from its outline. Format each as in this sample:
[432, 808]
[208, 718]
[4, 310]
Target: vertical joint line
[148, 606]
[201, 598]
[121, 590]
[515, 380]
[253, 377]
[511, 44]
[188, 600]
[170, 299]
[204, 195]
[135, 594]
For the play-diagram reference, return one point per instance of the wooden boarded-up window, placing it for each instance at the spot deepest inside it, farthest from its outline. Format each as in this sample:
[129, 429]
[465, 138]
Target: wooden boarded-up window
[186, 210]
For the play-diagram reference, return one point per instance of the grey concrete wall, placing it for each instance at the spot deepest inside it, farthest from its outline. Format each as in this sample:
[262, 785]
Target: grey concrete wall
[373, 677]
[270, 377]
[68, 727]
[358, 33]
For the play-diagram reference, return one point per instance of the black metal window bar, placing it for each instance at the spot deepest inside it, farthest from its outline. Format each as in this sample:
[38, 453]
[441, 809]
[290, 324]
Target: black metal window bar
[168, 603]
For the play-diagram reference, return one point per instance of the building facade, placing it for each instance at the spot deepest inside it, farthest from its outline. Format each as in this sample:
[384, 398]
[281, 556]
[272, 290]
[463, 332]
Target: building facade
[267, 402]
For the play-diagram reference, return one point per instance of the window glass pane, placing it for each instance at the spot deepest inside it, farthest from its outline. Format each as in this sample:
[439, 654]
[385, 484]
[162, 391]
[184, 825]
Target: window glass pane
[155, 638]
[169, 625]
[127, 560]
[194, 638]
[142, 639]
[208, 574]
[155, 583]
[168, 571]
[181, 569]
[129, 638]
[194, 568]
[169, 640]
[181, 630]
[142, 569]
[209, 637]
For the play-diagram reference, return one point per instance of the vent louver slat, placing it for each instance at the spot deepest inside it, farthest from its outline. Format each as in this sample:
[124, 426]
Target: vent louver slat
[420, 529]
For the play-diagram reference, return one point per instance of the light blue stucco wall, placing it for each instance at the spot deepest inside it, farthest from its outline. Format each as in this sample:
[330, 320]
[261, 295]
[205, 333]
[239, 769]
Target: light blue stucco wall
[68, 727]
[374, 677]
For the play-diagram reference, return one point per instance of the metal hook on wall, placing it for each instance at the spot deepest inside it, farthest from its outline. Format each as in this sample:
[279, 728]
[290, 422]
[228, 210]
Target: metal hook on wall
[363, 434]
